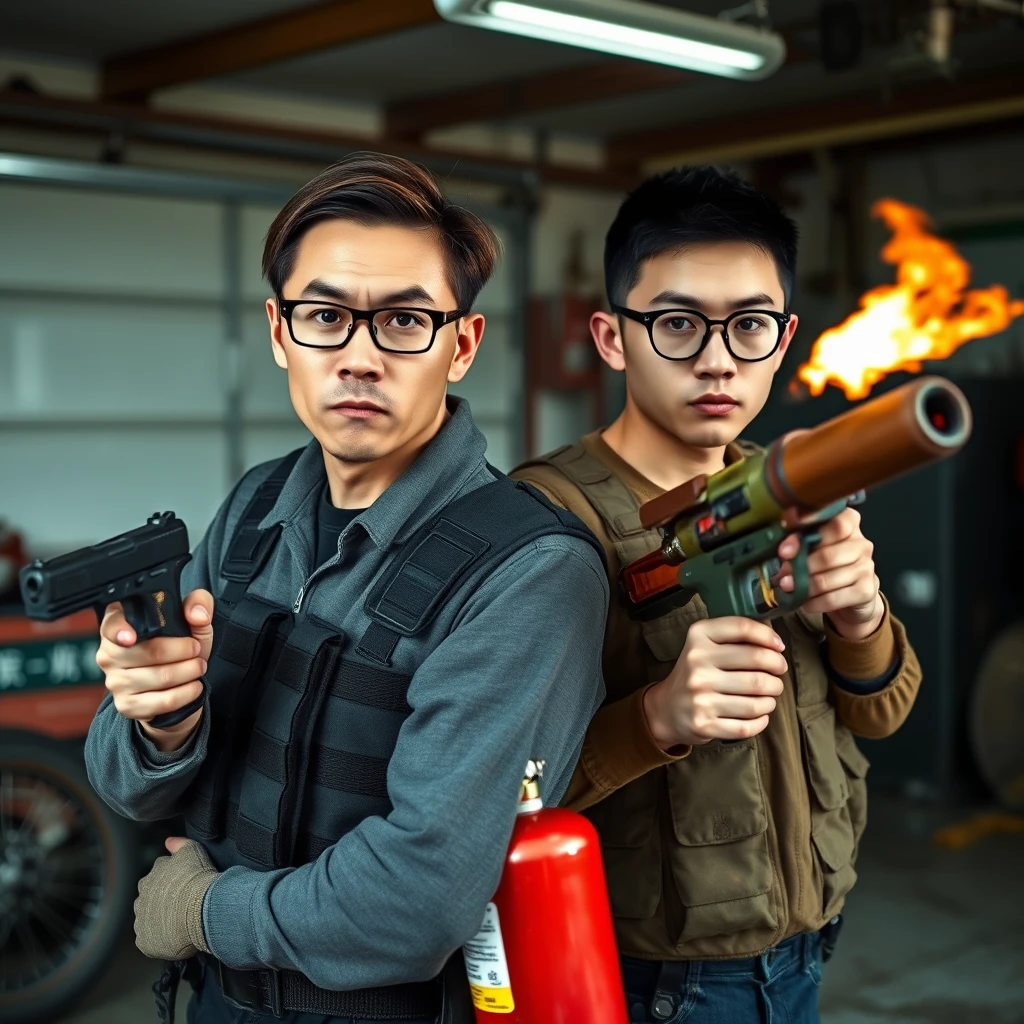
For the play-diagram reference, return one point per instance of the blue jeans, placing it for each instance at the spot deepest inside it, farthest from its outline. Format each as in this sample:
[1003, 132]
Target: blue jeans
[208, 1006]
[777, 987]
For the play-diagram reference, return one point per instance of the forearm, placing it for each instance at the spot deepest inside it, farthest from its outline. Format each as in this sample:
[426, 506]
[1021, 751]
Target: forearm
[866, 659]
[879, 705]
[618, 748]
[133, 777]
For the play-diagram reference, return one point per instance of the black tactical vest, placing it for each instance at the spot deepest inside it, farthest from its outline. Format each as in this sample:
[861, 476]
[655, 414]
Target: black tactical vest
[292, 700]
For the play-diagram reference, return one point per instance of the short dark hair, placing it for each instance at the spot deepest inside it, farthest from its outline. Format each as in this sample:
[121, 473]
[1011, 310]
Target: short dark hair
[376, 188]
[687, 206]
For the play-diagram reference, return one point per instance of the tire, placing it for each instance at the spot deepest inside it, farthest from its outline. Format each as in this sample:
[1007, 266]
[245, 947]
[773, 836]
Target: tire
[68, 873]
[997, 717]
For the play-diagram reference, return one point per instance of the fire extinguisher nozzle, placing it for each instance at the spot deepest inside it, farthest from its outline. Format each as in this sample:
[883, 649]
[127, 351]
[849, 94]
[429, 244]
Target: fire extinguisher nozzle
[529, 792]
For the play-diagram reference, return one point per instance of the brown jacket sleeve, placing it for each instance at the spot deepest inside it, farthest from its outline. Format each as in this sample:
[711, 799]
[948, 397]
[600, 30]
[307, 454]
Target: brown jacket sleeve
[618, 747]
[880, 714]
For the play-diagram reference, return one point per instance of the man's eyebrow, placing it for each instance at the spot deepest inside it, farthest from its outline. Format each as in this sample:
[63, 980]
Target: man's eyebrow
[692, 302]
[414, 293]
[325, 290]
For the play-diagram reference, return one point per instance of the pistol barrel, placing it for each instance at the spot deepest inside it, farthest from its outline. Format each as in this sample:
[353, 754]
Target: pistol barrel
[132, 562]
[911, 426]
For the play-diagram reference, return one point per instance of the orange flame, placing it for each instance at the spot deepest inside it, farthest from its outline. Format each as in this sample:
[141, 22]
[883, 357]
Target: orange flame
[927, 314]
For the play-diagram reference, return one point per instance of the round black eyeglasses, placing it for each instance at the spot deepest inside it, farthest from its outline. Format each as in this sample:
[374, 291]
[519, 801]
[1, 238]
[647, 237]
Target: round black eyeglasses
[750, 335]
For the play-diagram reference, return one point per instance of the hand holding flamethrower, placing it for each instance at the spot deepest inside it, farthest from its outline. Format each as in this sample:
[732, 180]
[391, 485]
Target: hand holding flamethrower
[722, 536]
[721, 533]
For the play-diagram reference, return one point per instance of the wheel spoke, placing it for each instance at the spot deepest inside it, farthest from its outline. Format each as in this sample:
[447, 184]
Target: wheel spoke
[33, 810]
[6, 804]
[56, 924]
[65, 859]
[31, 945]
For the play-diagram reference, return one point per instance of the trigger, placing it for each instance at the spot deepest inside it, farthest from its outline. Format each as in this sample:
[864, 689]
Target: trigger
[766, 580]
[158, 603]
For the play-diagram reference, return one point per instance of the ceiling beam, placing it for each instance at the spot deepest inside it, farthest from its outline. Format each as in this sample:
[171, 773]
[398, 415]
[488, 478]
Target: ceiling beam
[838, 121]
[519, 96]
[133, 76]
[129, 122]
[553, 90]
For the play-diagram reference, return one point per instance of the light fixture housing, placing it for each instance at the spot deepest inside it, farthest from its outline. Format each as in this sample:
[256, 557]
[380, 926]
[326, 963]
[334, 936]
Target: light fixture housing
[631, 28]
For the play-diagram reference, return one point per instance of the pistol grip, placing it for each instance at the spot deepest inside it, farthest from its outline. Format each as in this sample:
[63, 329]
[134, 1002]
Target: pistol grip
[159, 613]
[791, 600]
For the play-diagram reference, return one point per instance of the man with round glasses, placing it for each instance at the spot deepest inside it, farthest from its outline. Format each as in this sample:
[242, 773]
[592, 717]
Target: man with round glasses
[388, 629]
[721, 772]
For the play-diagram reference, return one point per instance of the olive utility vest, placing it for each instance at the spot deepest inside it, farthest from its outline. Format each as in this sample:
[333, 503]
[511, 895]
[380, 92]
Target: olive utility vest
[291, 700]
[692, 849]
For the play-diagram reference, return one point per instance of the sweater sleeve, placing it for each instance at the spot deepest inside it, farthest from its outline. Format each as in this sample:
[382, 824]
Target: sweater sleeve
[618, 747]
[874, 712]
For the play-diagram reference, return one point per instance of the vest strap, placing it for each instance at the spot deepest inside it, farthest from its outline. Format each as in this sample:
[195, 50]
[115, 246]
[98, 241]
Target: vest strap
[249, 546]
[276, 993]
[473, 535]
[374, 687]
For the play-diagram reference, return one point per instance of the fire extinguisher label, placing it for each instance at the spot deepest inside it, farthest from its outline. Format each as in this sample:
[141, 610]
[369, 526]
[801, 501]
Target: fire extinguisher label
[487, 967]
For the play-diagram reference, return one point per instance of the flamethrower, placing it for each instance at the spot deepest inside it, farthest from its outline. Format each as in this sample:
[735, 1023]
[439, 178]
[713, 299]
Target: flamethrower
[721, 533]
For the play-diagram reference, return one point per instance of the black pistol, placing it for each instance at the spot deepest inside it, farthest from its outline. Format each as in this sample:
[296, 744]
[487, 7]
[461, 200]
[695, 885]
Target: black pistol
[140, 568]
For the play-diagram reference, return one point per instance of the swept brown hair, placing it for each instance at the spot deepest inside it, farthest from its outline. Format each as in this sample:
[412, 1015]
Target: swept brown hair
[376, 188]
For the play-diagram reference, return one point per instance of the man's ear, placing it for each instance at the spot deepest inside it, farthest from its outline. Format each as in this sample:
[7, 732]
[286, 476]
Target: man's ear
[787, 337]
[276, 339]
[605, 329]
[470, 333]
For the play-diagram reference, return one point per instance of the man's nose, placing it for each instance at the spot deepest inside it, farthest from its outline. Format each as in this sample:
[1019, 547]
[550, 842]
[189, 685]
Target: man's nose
[360, 356]
[715, 359]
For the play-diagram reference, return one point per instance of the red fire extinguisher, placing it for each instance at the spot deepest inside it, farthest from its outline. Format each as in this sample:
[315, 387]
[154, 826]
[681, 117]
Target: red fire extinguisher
[545, 953]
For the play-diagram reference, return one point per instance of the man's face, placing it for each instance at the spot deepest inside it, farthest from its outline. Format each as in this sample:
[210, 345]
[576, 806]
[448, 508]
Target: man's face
[360, 403]
[705, 401]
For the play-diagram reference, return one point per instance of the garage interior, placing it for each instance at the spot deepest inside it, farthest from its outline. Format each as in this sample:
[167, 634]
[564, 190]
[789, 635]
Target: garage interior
[145, 149]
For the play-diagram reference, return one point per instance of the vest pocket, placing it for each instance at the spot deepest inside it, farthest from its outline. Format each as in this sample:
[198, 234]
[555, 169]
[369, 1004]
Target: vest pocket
[832, 835]
[826, 773]
[720, 861]
[856, 765]
[666, 636]
[835, 770]
[631, 847]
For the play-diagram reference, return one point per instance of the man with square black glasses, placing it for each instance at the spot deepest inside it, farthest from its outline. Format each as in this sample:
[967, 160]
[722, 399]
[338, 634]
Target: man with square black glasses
[388, 628]
[721, 772]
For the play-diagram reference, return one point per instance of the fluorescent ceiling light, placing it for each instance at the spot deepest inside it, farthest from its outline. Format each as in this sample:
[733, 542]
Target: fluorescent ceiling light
[631, 28]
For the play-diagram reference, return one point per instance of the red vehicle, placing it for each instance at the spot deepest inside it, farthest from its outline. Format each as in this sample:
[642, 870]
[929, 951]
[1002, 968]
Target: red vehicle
[68, 864]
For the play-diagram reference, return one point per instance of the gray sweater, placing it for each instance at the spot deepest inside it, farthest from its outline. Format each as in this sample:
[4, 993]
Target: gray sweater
[514, 673]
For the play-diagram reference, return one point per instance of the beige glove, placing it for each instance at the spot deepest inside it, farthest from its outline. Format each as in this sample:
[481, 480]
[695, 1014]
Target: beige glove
[169, 910]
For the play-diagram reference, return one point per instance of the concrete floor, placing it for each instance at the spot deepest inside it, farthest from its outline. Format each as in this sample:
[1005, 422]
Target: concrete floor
[932, 936]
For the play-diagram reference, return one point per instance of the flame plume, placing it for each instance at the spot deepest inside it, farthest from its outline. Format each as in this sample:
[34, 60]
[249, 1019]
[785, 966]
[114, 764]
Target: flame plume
[927, 314]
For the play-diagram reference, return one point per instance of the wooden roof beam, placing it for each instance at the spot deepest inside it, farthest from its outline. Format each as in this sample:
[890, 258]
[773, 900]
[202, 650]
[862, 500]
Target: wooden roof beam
[133, 76]
[839, 121]
[512, 98]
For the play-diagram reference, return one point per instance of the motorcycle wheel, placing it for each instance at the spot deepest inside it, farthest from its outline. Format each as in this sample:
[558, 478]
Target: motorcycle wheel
[69, 867]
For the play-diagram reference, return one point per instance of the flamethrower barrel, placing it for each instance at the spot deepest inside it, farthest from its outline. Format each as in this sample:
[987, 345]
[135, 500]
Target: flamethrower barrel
[909, 427]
